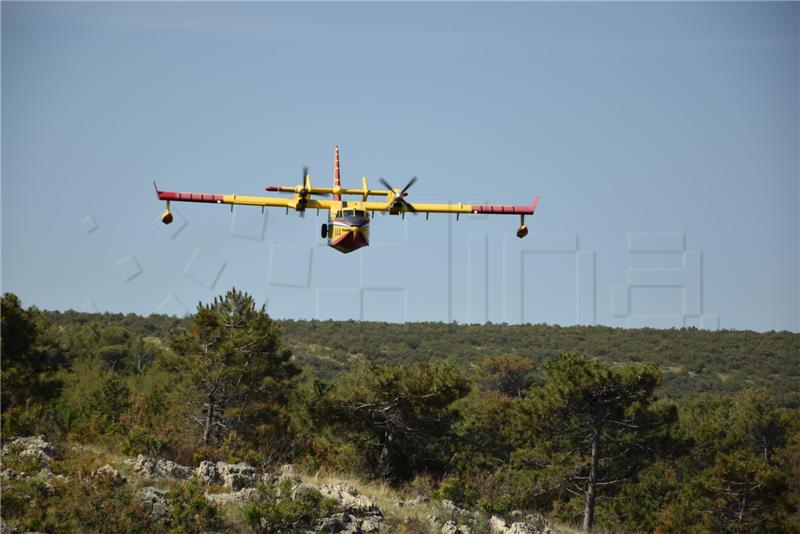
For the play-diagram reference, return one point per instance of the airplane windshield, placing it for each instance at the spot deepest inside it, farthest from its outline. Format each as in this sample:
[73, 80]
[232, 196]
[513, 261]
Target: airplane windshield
[356, 217]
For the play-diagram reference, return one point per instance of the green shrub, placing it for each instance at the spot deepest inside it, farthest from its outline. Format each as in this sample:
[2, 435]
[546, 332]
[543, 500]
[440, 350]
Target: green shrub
[191, 512]
[141, 441]
[276, 514]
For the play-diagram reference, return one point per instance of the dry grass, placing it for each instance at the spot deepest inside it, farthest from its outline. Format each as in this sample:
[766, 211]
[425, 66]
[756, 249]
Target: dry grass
[407, 517]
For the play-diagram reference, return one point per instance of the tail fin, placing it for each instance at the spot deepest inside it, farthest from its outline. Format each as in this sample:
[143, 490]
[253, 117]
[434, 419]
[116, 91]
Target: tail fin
[337, 181]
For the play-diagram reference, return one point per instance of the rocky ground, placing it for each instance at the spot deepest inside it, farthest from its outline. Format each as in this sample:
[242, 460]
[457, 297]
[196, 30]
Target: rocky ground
[356, 506]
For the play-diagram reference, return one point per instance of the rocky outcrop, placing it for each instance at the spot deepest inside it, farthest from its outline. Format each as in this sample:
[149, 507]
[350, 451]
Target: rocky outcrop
[11, 474]
[350, 500]
[372, 524]
[522, 528]
[499, 526]
[206, 472]
[232, 476]
[156, 468]
[35, 446]
[237, 476]
[45, 476]
[342, 523]
[451, 527]
[109, 474]
[154, 502]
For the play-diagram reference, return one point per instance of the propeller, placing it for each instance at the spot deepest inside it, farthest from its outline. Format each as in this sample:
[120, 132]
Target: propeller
[304, 193]
[399, 202]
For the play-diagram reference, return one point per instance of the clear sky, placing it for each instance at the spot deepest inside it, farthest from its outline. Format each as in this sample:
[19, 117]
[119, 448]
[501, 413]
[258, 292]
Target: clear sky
[662, 138]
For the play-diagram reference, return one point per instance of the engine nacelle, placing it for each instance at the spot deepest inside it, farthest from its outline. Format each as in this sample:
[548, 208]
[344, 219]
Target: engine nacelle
[166, 217]
[522, 231]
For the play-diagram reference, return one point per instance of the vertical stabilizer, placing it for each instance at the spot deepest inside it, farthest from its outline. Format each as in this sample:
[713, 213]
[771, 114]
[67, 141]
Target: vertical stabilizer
[337, 181]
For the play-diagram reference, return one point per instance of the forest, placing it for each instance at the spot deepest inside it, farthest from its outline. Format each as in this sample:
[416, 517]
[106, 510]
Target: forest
[603, 429]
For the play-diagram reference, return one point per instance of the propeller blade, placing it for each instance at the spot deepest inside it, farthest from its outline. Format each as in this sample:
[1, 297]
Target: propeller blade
[304, 190]
[409, 184]
[386, 185]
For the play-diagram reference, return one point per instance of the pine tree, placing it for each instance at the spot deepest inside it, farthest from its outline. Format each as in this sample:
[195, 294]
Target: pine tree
[232, 353]
[597, 424]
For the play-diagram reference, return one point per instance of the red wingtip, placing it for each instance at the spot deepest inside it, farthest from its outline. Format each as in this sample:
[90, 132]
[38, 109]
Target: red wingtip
[534, 204]
[272, 188]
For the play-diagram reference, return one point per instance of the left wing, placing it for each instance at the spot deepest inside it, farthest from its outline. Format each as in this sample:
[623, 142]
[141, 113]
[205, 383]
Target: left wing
[272, 202]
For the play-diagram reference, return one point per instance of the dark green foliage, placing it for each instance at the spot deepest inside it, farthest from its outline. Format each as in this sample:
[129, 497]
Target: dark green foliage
[232, 355]
[191, 512]
[271, 514]
[398, 417]
[510, 375]
[692, 361]
[82, 504]
[492, 416]
[27, 367]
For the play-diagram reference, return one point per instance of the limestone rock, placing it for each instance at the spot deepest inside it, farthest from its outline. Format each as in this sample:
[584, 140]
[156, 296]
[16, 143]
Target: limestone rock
[12, 475]
[35, 446]
[157, 468]
[107, 472]
[522, 528]
[349, 498]
[450, 528]
[452, 507]
[288, 471]
[538, 521]
[237, 476]
[497, 525]
[235, 497]
[206, 472]
[372, 524]
[154, 502]
[341, 523]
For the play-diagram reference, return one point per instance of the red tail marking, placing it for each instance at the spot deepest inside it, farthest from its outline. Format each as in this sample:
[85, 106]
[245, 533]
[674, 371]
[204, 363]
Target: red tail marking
[337, 181]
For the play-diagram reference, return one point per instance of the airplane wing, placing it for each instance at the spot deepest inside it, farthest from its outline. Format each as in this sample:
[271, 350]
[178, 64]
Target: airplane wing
[399, 205]
[244, 200]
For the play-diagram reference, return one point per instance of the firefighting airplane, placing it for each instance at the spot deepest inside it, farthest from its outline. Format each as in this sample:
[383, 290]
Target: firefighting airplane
[347, 228]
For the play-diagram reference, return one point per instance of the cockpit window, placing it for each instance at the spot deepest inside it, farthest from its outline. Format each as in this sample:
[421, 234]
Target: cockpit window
[354, 217]
[350, 214]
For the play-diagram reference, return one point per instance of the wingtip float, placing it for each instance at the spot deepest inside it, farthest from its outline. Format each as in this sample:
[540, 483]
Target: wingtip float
[347, 228]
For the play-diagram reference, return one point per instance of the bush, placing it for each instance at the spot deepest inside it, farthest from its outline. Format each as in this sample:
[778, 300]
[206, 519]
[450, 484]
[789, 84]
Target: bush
[191, 512]
[273, 514]
[141, 441]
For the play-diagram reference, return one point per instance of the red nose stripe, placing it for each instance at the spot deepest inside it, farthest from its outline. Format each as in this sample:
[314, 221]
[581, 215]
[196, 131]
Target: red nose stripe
[189, 197]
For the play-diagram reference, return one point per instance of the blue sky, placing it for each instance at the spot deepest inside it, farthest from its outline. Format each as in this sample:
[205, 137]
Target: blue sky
[662, 138]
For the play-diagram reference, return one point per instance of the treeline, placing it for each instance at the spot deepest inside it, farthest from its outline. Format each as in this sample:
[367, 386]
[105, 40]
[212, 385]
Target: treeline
[589, 425]
[692, 361]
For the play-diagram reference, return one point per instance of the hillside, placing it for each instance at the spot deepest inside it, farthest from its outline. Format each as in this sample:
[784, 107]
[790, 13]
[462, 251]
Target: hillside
[150, 495]
[615, 430]
[692, 361]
